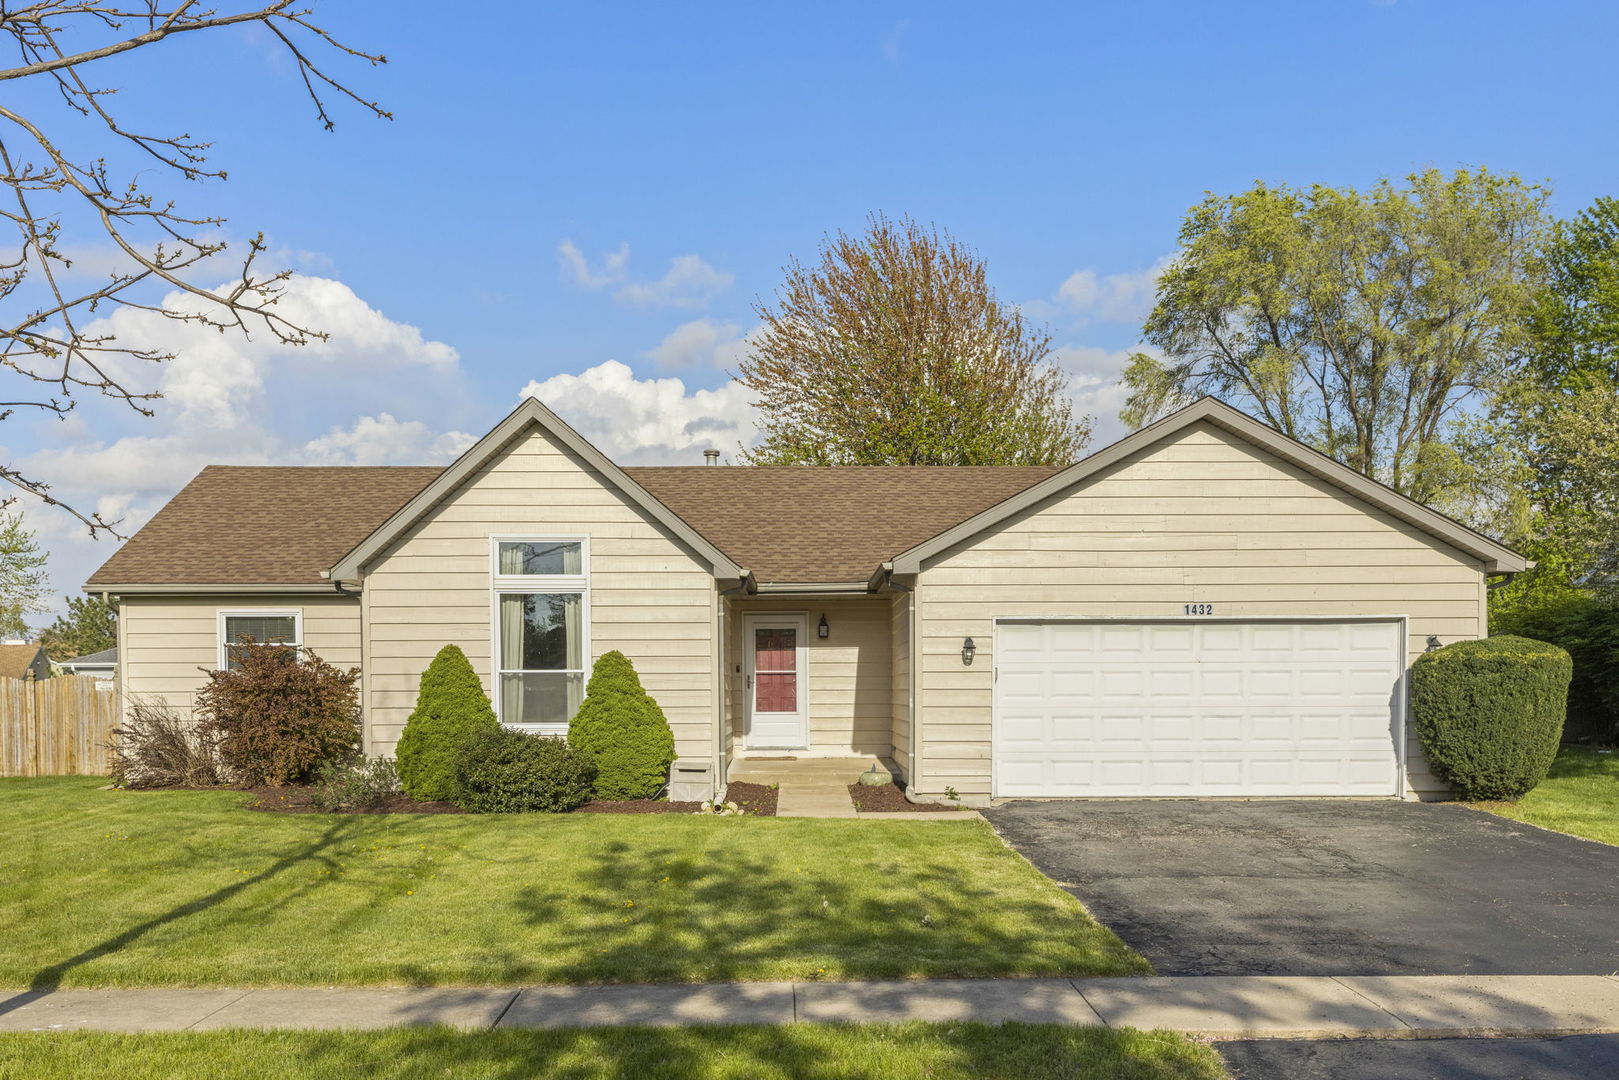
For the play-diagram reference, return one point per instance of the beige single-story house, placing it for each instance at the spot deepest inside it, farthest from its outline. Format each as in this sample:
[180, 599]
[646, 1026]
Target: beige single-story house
[1204, 608]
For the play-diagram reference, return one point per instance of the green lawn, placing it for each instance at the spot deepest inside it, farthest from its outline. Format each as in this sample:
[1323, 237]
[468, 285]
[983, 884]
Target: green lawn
[799, 1052]
[188, 888]
[1580, 796]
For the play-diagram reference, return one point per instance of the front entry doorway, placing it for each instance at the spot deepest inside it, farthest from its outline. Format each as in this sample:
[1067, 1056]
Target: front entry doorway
[774, 659]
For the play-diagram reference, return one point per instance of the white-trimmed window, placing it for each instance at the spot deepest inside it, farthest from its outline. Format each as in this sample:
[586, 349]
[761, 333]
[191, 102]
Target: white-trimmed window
[268, 627]
[541, 612]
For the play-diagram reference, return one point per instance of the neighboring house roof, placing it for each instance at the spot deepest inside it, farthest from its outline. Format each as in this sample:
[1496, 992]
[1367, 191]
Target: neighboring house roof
[104, 658]
[261, 525]
[247, 526]
[811, 524]
[16, 661]
[1497, 558]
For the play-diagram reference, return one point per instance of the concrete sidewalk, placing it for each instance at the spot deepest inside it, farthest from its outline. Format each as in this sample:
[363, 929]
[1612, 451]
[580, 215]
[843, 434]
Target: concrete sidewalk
[1217, 1006]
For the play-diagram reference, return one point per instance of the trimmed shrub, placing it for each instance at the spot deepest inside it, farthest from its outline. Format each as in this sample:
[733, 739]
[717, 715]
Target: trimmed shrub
[1588, 627]
[1490, 713]
[280, 714]
[451, 707]
[623, 731]
[505, 771]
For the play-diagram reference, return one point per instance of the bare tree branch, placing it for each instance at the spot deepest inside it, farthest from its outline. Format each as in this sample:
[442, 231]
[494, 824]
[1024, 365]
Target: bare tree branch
[54, 190]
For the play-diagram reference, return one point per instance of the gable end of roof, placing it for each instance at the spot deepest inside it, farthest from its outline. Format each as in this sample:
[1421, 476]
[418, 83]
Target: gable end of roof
[1496, 557]
[529, 413]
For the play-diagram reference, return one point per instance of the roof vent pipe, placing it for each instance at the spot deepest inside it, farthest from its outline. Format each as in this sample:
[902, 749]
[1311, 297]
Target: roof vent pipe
[711, 457]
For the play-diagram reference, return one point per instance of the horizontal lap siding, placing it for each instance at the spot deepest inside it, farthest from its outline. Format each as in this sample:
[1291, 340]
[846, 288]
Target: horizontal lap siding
[650, 598]
[850, 677]
[165, 640]
[1202, 518]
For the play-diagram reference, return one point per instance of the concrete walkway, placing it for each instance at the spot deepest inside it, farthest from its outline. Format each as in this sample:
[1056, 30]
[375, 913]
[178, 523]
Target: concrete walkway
[1216, 1006]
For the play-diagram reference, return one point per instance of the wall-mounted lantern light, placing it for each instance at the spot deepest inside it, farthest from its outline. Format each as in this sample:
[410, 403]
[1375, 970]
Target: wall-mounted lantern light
[823, 630]
[1433, 643]
[968, 651]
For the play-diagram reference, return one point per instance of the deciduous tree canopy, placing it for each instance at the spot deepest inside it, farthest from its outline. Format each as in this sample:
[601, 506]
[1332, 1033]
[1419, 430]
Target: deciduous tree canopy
[1365, 324]
[894, 350]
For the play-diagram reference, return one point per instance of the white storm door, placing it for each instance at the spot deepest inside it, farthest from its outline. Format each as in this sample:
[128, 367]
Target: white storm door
[775, 660]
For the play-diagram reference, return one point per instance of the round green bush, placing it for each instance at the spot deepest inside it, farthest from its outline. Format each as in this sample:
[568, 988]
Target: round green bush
[450, 708]
[623, 731]
[1490, 713]
[507, 772]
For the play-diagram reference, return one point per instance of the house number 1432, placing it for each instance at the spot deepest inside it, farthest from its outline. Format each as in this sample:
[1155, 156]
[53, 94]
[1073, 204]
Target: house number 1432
[1199, 609]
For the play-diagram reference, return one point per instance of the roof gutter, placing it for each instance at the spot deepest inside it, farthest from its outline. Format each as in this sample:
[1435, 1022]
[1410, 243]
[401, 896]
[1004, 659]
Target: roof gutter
[789, 588]
[154, 589]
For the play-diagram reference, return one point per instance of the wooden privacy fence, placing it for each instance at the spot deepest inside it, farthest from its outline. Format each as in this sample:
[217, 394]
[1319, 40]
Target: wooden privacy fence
[55, 727]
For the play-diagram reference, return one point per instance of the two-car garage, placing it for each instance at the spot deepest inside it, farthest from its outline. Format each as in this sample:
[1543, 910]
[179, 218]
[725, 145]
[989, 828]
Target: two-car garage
[1198, 707]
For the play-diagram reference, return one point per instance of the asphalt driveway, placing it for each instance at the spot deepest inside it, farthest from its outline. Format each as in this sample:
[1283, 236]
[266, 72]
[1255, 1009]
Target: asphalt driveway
[1329, 887]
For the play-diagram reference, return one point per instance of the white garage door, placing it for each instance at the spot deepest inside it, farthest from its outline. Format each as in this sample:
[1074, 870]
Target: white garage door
[1197, 708]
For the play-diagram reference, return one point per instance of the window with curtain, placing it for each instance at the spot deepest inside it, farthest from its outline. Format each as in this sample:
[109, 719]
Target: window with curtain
[269, 629]
[541, 603]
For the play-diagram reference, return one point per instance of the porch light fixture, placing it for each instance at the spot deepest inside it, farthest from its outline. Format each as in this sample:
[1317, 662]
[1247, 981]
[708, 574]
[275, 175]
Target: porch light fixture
[823, 630]
[968, 651]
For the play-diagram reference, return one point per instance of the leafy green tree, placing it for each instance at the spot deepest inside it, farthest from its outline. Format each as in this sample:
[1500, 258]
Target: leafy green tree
[1566, 415]
[1368, 325]
[894, 350]
[23, 580]
[89, 626]
[450, 708]
[623, 731]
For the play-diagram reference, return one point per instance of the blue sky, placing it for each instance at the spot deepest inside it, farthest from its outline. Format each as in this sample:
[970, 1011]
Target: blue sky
[566, 186]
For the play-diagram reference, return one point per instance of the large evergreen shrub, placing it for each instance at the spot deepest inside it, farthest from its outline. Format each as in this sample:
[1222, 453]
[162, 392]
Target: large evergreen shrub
[506, 771]
[450, 708]
[1490, 713]
[623, 731]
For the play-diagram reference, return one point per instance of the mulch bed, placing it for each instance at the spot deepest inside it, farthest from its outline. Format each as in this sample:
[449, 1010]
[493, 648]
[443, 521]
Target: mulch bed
[296, 800]
[889, 799]
[755, 800]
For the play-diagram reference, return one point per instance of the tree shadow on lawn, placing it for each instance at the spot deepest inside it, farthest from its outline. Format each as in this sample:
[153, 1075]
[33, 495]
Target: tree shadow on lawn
[801, 1052]
[46, 979]
[654, 913]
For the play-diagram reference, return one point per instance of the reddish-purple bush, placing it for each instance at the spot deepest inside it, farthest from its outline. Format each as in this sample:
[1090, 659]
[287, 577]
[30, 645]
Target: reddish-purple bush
[280, 713]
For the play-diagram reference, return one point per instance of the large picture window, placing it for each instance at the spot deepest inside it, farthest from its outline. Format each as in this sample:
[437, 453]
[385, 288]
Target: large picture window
[541, 621]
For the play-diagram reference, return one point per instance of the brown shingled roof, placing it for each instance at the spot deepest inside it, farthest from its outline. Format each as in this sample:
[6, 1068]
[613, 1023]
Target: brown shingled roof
[16, 660]
[262, 525]
[803, 523]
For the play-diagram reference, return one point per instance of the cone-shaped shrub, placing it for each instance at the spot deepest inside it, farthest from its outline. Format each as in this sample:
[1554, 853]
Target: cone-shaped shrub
[450, 707]
[1490, 713]
[624, 732]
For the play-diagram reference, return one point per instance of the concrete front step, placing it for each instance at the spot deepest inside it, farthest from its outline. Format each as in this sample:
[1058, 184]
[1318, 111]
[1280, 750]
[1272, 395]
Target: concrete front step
[1217, 1007]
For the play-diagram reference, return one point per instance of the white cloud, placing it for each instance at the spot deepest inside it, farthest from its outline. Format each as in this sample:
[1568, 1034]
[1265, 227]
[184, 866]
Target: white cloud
[1096, 387]
[648, 421]
[1110, 298]
[701, 343]
[383, 440]
[614, 265]
[690, 282]
[229, 399]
